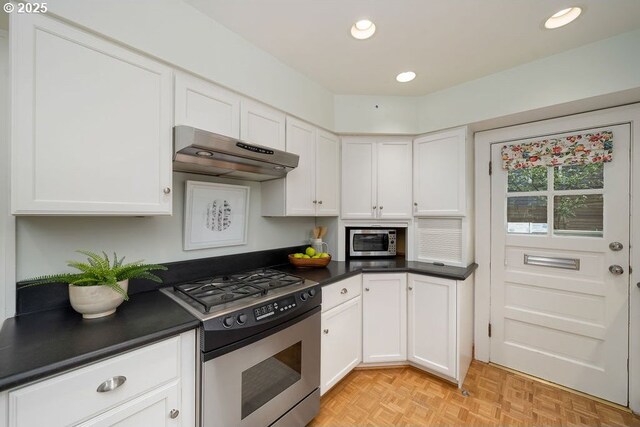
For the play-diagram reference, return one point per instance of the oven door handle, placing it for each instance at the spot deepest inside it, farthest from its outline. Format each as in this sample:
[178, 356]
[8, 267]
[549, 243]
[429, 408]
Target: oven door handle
[260, 335]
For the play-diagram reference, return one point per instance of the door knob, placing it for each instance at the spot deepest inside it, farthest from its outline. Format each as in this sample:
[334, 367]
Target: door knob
[615, 246]
[616, 269]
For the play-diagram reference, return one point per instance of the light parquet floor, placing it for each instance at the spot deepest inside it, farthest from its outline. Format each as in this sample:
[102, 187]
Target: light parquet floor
[408, 397]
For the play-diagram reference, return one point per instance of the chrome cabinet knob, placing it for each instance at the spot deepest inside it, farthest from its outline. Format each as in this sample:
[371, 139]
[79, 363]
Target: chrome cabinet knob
[315, 202]
[616, 246]
[174, 414]
[410, 288]
[166, 190]
[375, 207]
[319, 202]
[344, 291]
[111, 384]
[415, 203]
[326, 331]
[616, 269]
[366, 289]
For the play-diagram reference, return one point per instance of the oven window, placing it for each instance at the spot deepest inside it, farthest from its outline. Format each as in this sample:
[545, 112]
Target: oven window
[371, 242]
[269, 378]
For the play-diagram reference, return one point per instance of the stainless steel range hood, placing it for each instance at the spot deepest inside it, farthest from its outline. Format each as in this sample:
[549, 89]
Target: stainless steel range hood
[206, 153]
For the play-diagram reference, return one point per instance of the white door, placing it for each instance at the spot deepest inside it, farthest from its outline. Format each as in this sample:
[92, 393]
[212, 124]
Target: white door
[327, 173]
[432, 323]
[384, 318]
[394, 179]
[341, 345]
[301, 182]
[557, 312]
[358, 179]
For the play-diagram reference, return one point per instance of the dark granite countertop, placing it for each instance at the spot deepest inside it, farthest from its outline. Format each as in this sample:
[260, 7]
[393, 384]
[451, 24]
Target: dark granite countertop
[338, 270]
[33, 346]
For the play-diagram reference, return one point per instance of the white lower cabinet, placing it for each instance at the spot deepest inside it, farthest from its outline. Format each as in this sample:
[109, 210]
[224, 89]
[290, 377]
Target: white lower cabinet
[384, 317]
[440, 325]
[432, 323]
[341, 345]
[151, 386]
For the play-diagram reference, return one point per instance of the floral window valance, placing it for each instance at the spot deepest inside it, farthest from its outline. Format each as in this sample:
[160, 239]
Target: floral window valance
[568, 150]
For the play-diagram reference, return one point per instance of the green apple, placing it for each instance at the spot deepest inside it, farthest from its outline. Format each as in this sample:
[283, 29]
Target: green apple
[306, 256]
[324, 255]
[298, 255]
[316, 256]
[310, 251]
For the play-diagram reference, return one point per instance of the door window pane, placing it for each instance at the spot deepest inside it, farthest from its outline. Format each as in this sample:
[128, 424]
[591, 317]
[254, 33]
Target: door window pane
[580, 215]
[269, 378]
[527, 215]
[578, 177]
[529, 179]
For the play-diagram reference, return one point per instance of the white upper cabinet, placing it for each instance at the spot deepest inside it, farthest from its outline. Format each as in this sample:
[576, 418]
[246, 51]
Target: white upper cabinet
[311, 189]
[327, 174]
[440, 174]
[301, 182]
[394, 180]
[262, 125]
[91, 130]
[376, 178]
[203, 105]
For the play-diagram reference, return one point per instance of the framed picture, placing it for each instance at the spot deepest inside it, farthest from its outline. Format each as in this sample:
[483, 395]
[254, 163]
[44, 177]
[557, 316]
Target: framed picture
[215, 215]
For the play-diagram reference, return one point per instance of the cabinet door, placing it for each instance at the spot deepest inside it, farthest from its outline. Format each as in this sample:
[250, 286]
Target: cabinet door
[358, 179]
[205, 106]
[91, 130]
[394, 180]
[153, 409]
[384, 318]
[327, 173]
[341, 342]
[301, 182]
[439, 174]
[262, 125]
[432, 323]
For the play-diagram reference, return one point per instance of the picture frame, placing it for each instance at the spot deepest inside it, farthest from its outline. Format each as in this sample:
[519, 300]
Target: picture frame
[216, 215]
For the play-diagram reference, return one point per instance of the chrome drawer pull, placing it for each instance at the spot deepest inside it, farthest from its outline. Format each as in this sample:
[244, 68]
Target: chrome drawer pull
[344, 291]
[554, 262]
[111, 384]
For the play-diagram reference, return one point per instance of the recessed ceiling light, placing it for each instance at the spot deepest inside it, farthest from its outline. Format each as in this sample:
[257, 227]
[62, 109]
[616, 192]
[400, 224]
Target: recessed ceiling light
[407, 76]
[562, 17]
[363, 29]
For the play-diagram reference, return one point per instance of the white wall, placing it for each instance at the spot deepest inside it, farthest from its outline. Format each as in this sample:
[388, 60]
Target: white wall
[7, 224]
[376, 114]
[607, 67]
[44, 244]
[175, 32]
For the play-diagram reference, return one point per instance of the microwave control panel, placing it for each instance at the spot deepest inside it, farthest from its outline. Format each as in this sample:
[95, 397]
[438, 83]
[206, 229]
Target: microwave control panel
[392, 241]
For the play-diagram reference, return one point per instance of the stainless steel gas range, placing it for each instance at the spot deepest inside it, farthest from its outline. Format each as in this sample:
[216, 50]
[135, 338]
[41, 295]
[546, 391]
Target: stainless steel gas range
[259, 348]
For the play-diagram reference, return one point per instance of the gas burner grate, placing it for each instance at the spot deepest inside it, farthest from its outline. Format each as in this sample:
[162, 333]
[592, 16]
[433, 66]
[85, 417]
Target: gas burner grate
[225, 289]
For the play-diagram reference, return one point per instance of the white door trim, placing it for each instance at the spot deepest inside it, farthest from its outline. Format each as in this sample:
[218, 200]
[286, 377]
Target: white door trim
[483, 140]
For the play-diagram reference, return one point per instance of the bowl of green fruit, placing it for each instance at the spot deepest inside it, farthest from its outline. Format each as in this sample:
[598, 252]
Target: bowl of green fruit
[310, 259]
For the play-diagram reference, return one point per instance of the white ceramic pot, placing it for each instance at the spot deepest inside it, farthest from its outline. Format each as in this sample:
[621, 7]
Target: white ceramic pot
[96, 301]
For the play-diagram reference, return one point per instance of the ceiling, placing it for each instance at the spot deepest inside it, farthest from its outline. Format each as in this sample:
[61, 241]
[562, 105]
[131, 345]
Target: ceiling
[446, 42]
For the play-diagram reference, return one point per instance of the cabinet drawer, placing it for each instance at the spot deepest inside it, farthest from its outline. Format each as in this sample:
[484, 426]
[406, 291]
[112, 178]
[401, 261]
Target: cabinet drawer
[344, 290]
[73, 397]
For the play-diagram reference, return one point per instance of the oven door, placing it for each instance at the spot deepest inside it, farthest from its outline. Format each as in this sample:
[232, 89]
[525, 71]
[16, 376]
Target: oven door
[257, 384]
[369, 243]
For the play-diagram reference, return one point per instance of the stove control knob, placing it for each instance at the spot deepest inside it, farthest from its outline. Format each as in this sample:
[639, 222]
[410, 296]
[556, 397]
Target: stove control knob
[312, 293]
[242, 319]
[303, 296]
[228, 321]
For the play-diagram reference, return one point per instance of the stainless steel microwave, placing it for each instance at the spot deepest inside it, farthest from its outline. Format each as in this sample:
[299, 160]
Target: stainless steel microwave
[372, 242]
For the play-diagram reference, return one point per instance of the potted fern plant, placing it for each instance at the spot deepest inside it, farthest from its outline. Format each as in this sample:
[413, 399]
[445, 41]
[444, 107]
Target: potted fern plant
[102, 284]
